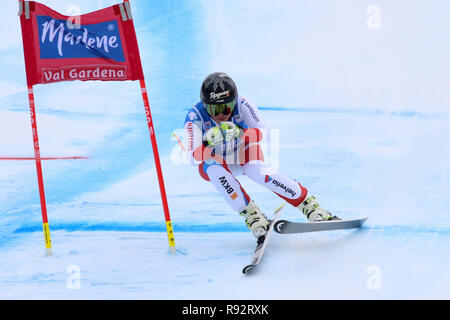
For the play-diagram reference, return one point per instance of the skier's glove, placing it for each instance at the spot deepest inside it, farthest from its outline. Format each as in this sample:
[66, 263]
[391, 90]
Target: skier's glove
[230, 130]
[214, 136]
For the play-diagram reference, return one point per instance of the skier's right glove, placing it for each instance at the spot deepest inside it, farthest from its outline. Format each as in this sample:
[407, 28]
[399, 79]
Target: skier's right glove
[214, 136]
[230, 130]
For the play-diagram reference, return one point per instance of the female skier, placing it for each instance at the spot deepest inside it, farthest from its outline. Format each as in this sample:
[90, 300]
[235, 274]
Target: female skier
[223, 132]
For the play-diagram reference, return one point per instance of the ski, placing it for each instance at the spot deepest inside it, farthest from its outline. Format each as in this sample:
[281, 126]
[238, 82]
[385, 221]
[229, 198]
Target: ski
[288, 227]
[261, 247]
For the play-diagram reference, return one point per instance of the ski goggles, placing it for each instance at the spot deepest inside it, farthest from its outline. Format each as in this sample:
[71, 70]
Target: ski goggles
[225, 108]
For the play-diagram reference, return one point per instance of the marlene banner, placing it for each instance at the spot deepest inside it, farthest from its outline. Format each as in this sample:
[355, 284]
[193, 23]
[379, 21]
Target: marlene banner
[101, 45]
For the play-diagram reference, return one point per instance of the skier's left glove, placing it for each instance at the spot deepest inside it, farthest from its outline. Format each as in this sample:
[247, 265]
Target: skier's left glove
[230, 130]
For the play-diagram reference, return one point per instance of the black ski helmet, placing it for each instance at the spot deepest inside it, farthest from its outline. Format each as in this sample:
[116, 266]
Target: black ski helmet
[218, 88]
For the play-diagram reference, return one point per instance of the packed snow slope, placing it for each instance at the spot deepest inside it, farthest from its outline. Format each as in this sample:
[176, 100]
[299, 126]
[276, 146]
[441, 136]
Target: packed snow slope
[362, 120]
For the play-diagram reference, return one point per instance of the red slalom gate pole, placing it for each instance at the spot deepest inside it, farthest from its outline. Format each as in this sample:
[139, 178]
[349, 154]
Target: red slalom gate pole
[158, 166]
[37, 154]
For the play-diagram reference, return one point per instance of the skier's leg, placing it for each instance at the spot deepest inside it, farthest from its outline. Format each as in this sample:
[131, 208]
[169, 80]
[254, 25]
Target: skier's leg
[226, 184]
[288, 189]
[230, 188]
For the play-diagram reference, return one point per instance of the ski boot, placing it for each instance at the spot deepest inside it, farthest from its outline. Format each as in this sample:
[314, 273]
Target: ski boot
[256, 220]
[314, 212]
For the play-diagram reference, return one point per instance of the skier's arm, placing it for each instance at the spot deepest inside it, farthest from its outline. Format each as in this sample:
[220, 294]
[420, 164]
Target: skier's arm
[250, 114]
[252, 118]
[193, 138]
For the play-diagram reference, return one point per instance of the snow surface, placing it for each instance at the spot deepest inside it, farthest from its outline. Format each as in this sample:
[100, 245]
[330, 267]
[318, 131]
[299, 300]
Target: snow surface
[360, 125]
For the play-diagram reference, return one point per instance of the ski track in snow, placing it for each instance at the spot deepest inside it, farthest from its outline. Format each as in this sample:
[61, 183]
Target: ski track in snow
[116, 234]
[105, 213]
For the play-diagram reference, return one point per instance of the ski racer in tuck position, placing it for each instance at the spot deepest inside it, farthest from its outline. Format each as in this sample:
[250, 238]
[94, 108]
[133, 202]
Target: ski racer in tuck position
[223, 133]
